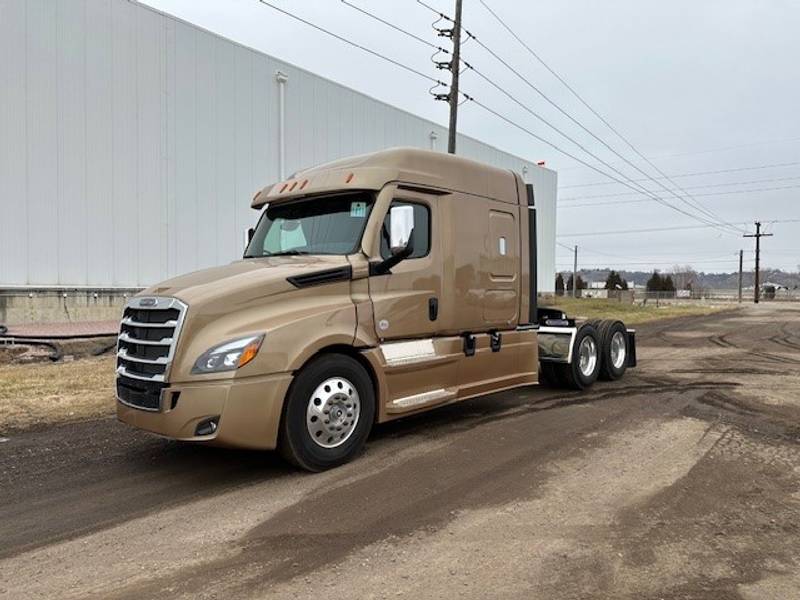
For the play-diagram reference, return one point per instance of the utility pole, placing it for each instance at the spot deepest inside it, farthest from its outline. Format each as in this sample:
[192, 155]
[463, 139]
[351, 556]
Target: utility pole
[455, 69]
[758, 235]
[741, 263]
[575, 274]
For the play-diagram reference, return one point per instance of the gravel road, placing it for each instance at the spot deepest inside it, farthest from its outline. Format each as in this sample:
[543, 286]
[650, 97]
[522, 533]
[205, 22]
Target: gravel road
[680, 481]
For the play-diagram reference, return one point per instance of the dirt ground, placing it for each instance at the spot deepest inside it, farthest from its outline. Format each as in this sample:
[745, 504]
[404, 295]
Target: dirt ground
[680, 481]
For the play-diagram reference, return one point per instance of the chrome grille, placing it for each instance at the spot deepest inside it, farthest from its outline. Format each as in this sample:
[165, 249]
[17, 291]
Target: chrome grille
[147, 337]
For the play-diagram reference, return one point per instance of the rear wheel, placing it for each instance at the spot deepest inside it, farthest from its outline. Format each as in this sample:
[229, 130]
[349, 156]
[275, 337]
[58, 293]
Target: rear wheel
[614, 347]
[584, 368]
[328, 415]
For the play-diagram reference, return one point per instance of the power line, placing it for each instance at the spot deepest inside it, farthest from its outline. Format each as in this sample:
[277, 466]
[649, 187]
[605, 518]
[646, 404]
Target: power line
[653, 262]
[510, 96]
[423, 75]
[657, 229]
[636, 201]
[352, 43]
[736, 170]
[649, 255]
[573, 157]
[715, 150]
[468, 97]
[578, 144]
[395, 27]
[586, 129]
[625, 231]
[694, 187]
[694, 203]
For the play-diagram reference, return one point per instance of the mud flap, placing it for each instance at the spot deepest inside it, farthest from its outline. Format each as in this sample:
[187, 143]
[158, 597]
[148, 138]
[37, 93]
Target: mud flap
[631, 348]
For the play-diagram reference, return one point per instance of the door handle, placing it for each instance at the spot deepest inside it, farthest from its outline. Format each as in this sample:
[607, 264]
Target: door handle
[433, 308]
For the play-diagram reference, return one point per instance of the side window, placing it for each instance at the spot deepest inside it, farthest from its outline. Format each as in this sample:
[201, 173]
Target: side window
[422, 229]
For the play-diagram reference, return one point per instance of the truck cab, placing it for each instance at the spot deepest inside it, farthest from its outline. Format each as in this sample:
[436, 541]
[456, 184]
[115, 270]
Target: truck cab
[371, 288]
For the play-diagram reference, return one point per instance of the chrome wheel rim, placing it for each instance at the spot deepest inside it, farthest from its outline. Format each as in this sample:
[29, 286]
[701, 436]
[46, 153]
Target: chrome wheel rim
[618, 349]
[587, 356]
[333, 412]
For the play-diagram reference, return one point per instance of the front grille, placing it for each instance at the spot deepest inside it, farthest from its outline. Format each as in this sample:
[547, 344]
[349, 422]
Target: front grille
[147, 337]
[139, 394]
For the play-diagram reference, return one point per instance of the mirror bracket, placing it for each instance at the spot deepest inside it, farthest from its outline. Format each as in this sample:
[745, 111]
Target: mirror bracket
[384, 267]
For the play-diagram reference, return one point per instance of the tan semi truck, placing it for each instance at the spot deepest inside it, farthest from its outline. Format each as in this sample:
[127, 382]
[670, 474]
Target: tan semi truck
[372, 288]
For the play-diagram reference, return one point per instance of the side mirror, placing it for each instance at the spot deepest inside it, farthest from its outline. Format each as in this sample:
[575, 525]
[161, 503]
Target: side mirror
[401, 220]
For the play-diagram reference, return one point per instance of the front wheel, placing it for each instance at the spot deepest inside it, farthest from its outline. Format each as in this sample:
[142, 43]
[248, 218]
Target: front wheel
[328, 415]
[582, 371]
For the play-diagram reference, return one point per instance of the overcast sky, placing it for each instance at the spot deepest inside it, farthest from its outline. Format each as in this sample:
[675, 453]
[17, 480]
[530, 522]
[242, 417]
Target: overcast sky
[696, 86]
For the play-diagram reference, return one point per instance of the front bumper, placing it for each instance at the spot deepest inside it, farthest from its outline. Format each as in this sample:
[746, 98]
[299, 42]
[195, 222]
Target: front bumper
[249, 411]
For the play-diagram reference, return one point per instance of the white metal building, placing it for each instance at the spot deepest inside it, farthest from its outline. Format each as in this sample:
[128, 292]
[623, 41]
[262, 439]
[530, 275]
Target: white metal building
[131, 143]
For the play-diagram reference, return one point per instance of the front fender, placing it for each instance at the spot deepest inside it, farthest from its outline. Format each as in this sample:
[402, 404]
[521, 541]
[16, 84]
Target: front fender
[297, 325]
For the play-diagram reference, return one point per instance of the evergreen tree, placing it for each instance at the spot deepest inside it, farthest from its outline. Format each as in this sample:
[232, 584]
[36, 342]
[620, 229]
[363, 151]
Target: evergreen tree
[559, 285]
[667, 285]
[655, 283]
[581, 283]
[614, 281]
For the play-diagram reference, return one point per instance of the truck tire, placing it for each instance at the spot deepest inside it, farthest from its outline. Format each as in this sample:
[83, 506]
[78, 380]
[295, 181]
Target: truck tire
[614, 349]
[329, 411]
[584, 368]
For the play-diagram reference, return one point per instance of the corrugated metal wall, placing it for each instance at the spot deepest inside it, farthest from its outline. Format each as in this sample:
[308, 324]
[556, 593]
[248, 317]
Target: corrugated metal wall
[131, 143]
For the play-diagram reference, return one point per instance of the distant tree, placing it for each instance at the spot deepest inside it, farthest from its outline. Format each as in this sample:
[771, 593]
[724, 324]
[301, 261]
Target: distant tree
[655, 283]
[667, 285]
[581, 283]
[559, 285]
[684, 277]
[614, 281]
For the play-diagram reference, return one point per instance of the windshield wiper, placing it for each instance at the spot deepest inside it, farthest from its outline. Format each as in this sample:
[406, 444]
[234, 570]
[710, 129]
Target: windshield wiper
[287, 253]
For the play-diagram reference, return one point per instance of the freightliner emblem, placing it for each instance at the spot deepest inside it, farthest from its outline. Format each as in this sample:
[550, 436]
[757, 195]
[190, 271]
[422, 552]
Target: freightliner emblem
[147, 302]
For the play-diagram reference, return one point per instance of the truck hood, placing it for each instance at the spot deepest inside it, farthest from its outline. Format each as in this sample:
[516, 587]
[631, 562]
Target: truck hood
[243, 281]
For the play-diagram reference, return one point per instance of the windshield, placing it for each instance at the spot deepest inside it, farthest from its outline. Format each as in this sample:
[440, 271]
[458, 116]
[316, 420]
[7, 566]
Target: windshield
[319, 225]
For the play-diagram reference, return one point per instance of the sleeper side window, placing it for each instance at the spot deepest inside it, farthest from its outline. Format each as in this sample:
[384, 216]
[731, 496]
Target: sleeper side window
[422, 229]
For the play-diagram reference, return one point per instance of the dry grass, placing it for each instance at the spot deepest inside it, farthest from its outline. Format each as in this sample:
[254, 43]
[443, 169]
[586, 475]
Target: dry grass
[631, 314]
[38, 393]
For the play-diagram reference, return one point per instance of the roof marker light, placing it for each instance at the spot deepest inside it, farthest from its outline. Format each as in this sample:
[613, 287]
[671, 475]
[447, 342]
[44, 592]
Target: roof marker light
[349, 178]
[293, 185]
[304, 184]
[283, 189]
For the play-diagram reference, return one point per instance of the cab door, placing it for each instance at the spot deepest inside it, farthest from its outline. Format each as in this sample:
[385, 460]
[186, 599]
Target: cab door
[406, 300]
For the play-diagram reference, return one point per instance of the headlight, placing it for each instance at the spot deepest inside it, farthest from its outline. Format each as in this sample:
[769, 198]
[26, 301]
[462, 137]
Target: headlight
[229, 356]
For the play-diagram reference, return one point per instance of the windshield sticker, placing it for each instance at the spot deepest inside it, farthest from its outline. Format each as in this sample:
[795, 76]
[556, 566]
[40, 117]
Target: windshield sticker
[358, 209]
